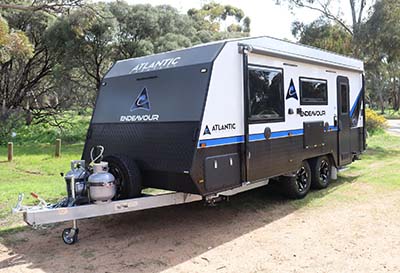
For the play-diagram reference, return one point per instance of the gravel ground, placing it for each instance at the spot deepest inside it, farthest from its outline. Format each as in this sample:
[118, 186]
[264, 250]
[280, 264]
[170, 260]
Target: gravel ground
[254, 232]
[394, 126]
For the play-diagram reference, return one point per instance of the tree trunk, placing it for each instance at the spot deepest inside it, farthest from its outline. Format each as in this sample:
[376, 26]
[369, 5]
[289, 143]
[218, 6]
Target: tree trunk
[396, 103]
[381, 101]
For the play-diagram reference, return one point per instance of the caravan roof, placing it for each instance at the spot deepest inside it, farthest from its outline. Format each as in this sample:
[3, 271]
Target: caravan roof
[206, 53]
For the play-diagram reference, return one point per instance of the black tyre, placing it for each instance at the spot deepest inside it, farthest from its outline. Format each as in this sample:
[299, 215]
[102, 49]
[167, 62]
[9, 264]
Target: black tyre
[70, 235]
[127, 176]
[297, 186]
[321, 172]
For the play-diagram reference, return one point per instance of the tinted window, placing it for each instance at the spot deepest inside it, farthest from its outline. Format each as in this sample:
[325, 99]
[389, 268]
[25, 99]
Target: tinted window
[313, 92]
[266, 93]
[344, 98]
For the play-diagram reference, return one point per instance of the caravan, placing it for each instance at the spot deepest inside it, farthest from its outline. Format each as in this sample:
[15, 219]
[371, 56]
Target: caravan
[219, 116]
[211, 121]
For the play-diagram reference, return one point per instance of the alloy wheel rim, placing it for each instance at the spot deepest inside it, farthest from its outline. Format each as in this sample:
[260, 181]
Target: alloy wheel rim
[324, 171]
[302, 179]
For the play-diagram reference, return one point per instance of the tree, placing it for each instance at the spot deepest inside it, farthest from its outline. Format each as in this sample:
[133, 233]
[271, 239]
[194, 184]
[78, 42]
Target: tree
[13, 44]
[322, 34]
[22, 81]
[55, 53]
[212, 16]
[333, 11]
[24, 69]
[86, 38]
[144, 29]
[43, 5]
[381, 37]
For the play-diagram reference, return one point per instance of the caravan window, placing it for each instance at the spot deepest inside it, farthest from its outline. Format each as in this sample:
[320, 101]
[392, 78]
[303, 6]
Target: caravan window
[313, 92]
[266, 94]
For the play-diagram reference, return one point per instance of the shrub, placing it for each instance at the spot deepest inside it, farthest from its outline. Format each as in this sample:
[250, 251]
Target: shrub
[374, 122]
[72, 129]
[9, 120]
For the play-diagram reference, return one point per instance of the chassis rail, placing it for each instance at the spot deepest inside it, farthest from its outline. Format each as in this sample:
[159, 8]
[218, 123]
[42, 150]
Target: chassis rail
[43, 214]
[39, 216]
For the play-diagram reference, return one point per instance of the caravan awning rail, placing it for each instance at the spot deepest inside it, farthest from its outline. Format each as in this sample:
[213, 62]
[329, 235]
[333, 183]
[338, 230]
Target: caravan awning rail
[302, 58]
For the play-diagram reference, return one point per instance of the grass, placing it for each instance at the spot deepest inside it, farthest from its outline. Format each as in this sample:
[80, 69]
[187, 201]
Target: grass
[36, 169]
[378, 171]
[391, 114]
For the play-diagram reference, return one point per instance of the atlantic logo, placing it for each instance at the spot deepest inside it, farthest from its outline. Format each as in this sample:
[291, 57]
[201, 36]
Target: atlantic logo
[142, 101]
[219, 127]
[155, 65]
[291, 93]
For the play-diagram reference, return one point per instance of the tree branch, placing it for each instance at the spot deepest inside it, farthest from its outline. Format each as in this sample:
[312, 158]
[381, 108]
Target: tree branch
[325, 11]
[52, 6]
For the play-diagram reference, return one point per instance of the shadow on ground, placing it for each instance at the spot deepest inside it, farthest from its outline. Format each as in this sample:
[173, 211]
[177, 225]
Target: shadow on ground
[153, 240]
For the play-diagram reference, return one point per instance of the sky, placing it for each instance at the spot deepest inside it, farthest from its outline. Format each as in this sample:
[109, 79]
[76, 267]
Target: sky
[267, 18]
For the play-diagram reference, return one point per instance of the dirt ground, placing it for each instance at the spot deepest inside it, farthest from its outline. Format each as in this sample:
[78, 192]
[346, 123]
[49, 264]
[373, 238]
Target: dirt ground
[255, 232]
[393, 126]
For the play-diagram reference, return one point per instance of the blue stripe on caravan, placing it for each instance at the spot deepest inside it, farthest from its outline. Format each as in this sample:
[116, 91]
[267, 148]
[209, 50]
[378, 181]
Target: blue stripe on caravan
[333, 128]
[253, 137]
[355, 103]
[221, 141]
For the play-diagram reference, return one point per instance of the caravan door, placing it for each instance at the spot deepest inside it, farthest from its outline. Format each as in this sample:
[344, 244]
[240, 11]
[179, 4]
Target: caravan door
[344, 147]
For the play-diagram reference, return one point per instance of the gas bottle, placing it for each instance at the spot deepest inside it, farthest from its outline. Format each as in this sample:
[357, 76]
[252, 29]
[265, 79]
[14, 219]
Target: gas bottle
[101, 184]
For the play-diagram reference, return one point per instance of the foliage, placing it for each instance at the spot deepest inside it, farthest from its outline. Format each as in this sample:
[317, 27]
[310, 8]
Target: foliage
[70, 127]
[382, 53]
[391, 114]
[332, 11]
[63, 56]
[210, 16]
[8, 121]
[42, 5]
[323, 34]
[374, 35]
[85, 38]
[13, 44]
[374, 122]
[146, 29]
[25, 78]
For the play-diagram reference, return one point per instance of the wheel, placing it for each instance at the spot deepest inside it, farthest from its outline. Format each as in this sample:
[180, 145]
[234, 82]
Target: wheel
[297, 186]
[127, 176]
[70, 235]
[321, 172]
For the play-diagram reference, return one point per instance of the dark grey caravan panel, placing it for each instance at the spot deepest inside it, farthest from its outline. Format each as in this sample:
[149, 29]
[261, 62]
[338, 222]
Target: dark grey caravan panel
[172, 59]
[149, 110]
[175, 94]
[159, 88]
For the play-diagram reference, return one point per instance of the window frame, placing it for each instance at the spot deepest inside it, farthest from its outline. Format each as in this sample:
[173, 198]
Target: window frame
[266, 120]
[302, 102]
[347, 99]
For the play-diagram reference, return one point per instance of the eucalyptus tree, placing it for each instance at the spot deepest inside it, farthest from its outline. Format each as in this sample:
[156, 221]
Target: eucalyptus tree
[323, 34]
[56, 6]
[381, 40]
[211, 21]
[335, 11]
